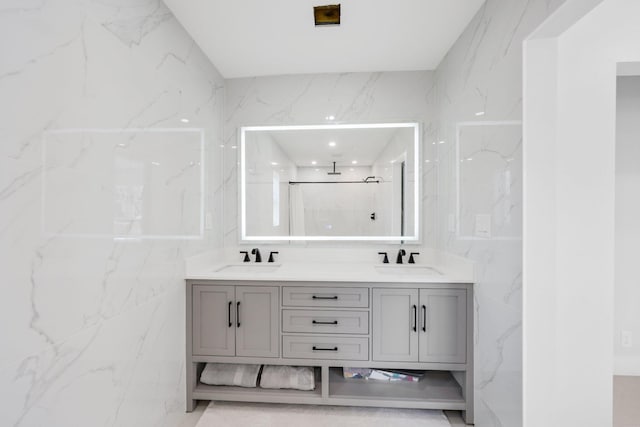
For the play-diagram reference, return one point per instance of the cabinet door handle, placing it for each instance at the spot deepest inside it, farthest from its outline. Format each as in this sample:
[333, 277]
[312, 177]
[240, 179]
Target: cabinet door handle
[317, 322]
[238, 314]
[424, 318]
[321, 297]
[229, 313]
[324, 349]
[415, 318]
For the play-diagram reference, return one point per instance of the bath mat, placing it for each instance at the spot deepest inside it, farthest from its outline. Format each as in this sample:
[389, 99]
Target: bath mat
[235, 414]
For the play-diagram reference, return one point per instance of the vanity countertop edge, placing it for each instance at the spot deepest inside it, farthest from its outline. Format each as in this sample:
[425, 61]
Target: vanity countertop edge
[329, 272]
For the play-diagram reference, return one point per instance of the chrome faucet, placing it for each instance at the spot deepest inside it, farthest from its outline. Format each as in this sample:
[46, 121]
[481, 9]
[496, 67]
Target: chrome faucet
[256, 252]
[401, 253]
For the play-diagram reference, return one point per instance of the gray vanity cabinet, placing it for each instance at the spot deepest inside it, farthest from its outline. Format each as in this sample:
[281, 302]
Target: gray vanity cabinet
[235, 321]
[214, 330]
[419, 325]
[330, 326]
[395, 331]
[443, 325]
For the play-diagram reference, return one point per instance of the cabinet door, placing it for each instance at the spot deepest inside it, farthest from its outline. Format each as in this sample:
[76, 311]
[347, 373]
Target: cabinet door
[443, 325]
[213, 326]
[395, 336]
[257, 326]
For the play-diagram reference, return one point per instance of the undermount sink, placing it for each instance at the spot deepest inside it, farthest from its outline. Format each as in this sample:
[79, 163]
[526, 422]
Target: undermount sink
[406, 269]
[248, 268]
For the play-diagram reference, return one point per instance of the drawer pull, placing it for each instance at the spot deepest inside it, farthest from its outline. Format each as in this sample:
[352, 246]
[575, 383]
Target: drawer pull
[317, 322]
[321, 297]
[230, 323]
[324, 349]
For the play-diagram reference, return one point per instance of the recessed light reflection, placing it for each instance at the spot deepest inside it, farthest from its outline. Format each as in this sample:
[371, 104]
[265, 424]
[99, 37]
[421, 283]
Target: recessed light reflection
[480, 113]
[274, 163]
[354, 162]
[441, 142]
[329, 117]
[332, 144]
[155, 163]
[313, 162]
[234, 146]
[184, 120]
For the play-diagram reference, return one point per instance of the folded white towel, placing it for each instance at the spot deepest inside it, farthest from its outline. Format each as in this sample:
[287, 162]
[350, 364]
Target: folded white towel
[299, 378]
[230, 374]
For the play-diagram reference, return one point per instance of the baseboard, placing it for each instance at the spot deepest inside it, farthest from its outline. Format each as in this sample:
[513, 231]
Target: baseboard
[626, 366]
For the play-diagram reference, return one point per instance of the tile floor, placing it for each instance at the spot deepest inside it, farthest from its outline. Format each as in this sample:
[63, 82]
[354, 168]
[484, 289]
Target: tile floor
[626, 407]
[626, 401]
[190, 420]
[455, 418]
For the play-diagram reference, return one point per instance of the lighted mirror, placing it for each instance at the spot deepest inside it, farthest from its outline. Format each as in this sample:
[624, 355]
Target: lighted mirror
[330, 182]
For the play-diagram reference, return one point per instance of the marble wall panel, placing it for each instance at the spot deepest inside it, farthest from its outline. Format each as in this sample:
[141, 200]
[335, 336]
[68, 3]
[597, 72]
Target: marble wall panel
[92, 308]
[142, 183]
[478, 89]
[327, 98]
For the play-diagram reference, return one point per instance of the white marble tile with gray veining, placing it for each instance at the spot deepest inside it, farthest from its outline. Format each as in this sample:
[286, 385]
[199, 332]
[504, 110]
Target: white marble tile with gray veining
[479, 178]
[312, 99]
[114, 112]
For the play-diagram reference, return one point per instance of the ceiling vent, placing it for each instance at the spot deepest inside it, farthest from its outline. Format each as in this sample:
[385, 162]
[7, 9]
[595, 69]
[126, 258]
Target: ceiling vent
[327, 15]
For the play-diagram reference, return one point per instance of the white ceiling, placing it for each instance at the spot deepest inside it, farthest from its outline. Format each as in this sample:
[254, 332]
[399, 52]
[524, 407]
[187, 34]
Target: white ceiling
[246, 38]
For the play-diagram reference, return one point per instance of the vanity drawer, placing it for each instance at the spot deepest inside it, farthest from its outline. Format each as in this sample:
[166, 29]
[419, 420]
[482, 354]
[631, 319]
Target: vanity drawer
[316, 347]
[325, 297]
[325, 321]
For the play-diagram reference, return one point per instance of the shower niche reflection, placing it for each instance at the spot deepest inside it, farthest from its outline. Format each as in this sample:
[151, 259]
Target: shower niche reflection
[330, 182]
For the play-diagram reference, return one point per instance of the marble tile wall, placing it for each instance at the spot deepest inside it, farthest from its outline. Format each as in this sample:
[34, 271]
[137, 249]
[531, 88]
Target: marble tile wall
[478, 88]
[310, 99]
[260, 152]
[328, 211]
[386, 166]
[104, 189]
[91, 313]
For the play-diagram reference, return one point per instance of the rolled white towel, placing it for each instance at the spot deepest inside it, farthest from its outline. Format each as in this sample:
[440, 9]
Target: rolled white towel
[299, 378]
[230, 374]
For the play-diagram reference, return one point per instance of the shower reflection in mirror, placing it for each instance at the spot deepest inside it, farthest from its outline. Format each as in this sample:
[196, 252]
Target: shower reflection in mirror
[330, 182]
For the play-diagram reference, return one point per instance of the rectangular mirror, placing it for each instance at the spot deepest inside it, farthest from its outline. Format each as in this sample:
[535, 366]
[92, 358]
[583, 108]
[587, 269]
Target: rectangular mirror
[330, 182]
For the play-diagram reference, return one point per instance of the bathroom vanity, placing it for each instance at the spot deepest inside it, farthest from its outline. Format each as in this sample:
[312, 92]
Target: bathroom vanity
[328, 317]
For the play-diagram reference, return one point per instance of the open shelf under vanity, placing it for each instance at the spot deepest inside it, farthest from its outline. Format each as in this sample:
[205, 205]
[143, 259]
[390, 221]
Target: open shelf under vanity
[435, 390]
[258, 394]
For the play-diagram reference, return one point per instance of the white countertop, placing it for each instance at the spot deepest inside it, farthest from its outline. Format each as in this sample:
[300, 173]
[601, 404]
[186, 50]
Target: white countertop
[329, 272]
